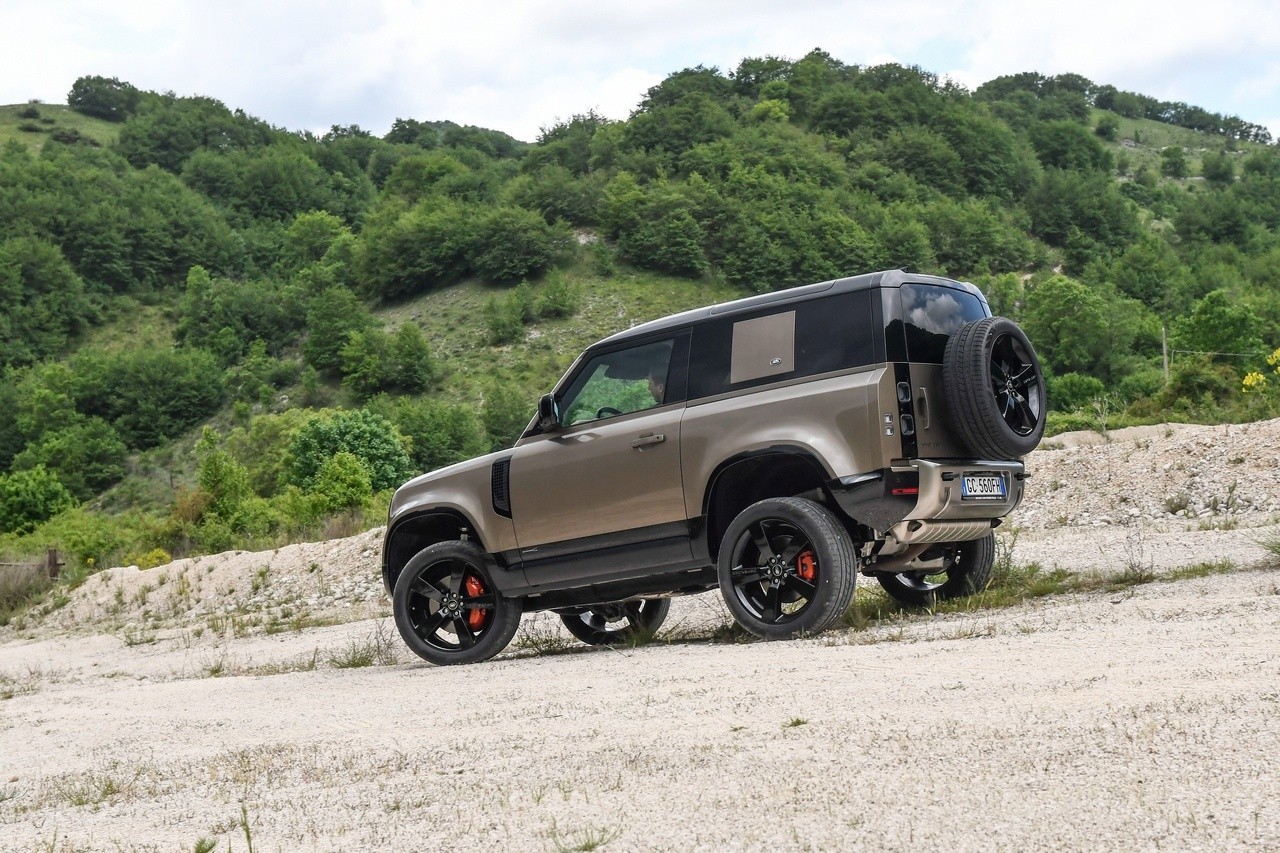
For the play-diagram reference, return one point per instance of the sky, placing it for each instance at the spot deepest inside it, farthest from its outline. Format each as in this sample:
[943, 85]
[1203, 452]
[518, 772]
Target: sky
[520, 66]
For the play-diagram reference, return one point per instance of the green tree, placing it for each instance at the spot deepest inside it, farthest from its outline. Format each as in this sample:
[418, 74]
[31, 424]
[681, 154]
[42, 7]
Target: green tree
[1067, 320]
[511, 244]
[102, 97]
[87, 456]
[343, 482]
[441, 433]
[368, 436]
[333, 316]
[43, 304]
[1173, 162]
[1217, 169]
[149, 395]
[30, 497]
[1220, 323]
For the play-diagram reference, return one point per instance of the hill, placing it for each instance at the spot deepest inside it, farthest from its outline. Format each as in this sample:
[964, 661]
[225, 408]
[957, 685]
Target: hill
[182, 300]
[34, 124]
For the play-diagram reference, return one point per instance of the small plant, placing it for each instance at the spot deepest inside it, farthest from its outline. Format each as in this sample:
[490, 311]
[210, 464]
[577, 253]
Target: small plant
[136, 636]
[378, 649]
[206, 845]
[584, 840]
[795, 723]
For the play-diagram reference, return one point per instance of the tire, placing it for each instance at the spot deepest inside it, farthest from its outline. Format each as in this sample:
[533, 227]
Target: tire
[994, 388]
[618, 623]
[447, 608]
[966, 570]
[787, 568]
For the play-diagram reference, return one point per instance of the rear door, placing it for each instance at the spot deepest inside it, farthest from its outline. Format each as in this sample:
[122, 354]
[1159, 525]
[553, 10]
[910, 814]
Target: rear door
[929, 315]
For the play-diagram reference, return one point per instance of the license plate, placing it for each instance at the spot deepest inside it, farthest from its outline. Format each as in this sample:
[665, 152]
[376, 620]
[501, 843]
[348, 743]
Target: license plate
[985, 487]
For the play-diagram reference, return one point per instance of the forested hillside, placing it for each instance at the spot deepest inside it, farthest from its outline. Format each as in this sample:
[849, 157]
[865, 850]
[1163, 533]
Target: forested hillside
[217, 332]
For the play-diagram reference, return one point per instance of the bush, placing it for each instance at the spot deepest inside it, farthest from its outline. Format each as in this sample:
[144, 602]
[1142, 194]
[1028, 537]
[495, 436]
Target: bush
[369, 437]
[1071, 391]
[558, 298]
[442, 434]
[342, 482]
[505, 413]
[511, 244]
[30, 497]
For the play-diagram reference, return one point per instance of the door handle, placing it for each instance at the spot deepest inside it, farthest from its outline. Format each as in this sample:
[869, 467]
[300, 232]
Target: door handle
[648, 440]
[922, 408]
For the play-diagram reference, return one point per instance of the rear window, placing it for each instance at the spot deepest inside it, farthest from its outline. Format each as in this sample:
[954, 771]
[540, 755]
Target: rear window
[931, 314]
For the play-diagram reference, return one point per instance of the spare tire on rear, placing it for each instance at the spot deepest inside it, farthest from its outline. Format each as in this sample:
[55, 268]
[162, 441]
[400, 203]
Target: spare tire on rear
[994, 388]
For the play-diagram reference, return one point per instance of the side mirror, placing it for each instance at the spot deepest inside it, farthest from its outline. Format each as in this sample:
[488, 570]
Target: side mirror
[548, 417]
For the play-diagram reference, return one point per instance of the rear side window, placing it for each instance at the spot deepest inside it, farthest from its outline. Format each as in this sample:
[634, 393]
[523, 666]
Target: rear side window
[932, 314]
[801, 339]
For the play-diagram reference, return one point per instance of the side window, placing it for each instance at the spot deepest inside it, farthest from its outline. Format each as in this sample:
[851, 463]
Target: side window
[806, 339]
[618, 383]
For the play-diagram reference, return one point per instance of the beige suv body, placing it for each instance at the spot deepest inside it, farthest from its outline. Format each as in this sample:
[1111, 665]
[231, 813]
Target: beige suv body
[775, 447]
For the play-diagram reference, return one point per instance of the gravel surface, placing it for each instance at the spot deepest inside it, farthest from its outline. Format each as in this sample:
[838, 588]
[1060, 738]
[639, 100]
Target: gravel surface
[159, 707]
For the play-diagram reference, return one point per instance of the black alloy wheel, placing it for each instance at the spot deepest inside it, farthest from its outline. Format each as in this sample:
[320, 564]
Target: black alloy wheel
[617, 623]
[786, 568]
[963, 568]
[447, 608]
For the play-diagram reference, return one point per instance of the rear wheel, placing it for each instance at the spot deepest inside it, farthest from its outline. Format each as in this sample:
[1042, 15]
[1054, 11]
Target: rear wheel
[787, 568]
[962, 568]
[447, 608]
[617, 623]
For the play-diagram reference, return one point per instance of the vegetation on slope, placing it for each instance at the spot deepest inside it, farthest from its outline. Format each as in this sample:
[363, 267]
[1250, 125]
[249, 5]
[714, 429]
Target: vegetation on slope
[217, 332]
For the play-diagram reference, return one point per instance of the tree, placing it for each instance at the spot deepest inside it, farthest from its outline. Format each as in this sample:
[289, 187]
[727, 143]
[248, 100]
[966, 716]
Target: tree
[511, 244]
[1173, 162]
[1219, 325]
[102, 97]
[369, 437]
[332, 317]
[149, 395]
[87, 456]
[30, 497]
[42, 301]
[1217, 169]
[1068, 323]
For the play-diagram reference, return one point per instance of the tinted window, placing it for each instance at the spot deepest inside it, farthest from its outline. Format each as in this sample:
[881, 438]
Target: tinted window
[618, 383]
[931, 314]
[827, 334]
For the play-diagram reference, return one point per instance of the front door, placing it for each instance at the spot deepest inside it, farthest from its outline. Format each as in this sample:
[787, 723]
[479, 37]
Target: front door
[610, 476]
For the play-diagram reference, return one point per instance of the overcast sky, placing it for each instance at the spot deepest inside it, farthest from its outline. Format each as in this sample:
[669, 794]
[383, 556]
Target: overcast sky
[519, 66]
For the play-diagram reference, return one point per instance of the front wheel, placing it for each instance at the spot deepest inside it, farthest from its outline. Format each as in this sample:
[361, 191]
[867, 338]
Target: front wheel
[963, 568]
[447, 608]
[787, 568]
[618, 623]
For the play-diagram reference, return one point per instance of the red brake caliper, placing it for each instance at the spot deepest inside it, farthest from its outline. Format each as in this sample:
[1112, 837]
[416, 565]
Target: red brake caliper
[807, 566]
[474, 588]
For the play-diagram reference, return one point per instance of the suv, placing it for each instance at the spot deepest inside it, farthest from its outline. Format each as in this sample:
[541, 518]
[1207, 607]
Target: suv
[774, 447]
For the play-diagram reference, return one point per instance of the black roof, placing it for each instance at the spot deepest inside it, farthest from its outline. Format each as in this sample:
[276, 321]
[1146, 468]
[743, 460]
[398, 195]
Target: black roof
[884, 278]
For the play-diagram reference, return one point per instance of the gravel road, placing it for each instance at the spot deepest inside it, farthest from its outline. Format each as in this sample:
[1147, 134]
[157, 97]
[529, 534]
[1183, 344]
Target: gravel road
[212, 699]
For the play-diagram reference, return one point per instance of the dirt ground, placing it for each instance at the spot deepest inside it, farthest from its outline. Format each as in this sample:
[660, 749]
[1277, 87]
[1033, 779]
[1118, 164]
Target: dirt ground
[227, 698]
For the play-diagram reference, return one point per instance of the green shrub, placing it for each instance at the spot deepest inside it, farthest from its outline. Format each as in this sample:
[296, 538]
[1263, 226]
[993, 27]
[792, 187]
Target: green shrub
[343, 482]
[29, 497]
[369, 437]
[1071, 391]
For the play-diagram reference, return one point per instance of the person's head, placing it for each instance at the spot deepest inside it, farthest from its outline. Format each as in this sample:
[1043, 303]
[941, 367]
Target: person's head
[658, 384]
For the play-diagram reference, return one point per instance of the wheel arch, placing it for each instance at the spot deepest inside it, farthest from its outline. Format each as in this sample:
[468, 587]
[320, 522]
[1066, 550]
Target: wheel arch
[410, 534]
[778, 472]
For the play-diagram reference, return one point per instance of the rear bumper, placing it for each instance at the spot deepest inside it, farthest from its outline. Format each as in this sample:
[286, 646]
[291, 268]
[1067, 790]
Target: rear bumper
[923, 501]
